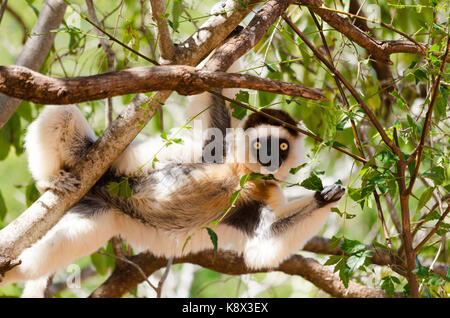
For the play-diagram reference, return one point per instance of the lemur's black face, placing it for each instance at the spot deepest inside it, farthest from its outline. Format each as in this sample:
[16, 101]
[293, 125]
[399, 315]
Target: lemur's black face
[270, 152]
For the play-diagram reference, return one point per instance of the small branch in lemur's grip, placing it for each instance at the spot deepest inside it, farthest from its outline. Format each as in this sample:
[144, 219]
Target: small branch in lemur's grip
[23, 83]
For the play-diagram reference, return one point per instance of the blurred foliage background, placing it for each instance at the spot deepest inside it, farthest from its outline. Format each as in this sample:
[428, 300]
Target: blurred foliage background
[280, 55]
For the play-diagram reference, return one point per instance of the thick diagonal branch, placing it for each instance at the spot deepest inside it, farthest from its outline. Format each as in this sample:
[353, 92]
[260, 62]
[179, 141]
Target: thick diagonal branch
[23, 83]
[237, 46]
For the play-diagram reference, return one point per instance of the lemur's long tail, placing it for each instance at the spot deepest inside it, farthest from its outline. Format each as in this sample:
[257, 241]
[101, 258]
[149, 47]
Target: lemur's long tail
[56, 140]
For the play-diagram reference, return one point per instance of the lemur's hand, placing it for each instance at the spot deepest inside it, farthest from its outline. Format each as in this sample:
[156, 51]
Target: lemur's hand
[330, 194]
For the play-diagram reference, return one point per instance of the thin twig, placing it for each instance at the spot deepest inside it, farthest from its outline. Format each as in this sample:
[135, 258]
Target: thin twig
[338, 84]
[164, 277]
[428, 119]
[2, 9]
[113, 38]
[126, 260]
[19, 20]
[434, 230]
[387, 26]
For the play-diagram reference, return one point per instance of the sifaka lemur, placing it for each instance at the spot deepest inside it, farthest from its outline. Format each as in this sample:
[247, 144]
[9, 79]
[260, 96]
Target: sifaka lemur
[180, 193]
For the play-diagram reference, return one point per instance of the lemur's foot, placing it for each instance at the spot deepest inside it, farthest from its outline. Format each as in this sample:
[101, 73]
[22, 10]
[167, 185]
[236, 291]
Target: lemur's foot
[330, 194]
[62, 182]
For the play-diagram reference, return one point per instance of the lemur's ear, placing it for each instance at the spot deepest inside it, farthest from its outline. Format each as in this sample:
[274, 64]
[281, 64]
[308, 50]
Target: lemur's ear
[256, 119]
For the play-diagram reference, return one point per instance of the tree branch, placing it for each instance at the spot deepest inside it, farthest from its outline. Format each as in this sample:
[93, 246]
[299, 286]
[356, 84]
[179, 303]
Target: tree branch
[2, 9]
[35, 50]
[23, 83]
[434, 230]
[166, 47]
[380, 50]
[418, 151]
[213, 32]
[227, 262]
[237, 46]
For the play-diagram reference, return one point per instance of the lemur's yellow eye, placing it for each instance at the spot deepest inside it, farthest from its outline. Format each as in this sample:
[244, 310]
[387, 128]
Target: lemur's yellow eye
[257, 145]
[284, 146]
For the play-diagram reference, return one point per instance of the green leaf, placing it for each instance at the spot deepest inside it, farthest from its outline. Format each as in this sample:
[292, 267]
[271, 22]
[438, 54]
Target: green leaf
[213, 237]
[4, 143]
[235, 196]
[443, 228]
[31, 193]
[113, 188]
[420, 75]
[100, 263]
[333, 259]
[432, 216]
[344, 274]
[296, 169]
[421, 271]
[178, 140]
[336, 210]
[35, 10]
[387, 284]
[437, 174]
[434, 48]
[256, 176]
[177, 10]
[354, 262]
[125, 189]
[352, 246]
[424, 198]
[312, 183]
[24, 111]
[244, 179]
[335, 242]
[238, 111]
[3, 209]
[185, 243]
[342, 123]
[270, 68]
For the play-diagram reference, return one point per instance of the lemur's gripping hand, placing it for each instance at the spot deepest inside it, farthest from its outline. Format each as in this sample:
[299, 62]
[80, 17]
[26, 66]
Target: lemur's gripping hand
[62, 182]
[329, 194]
